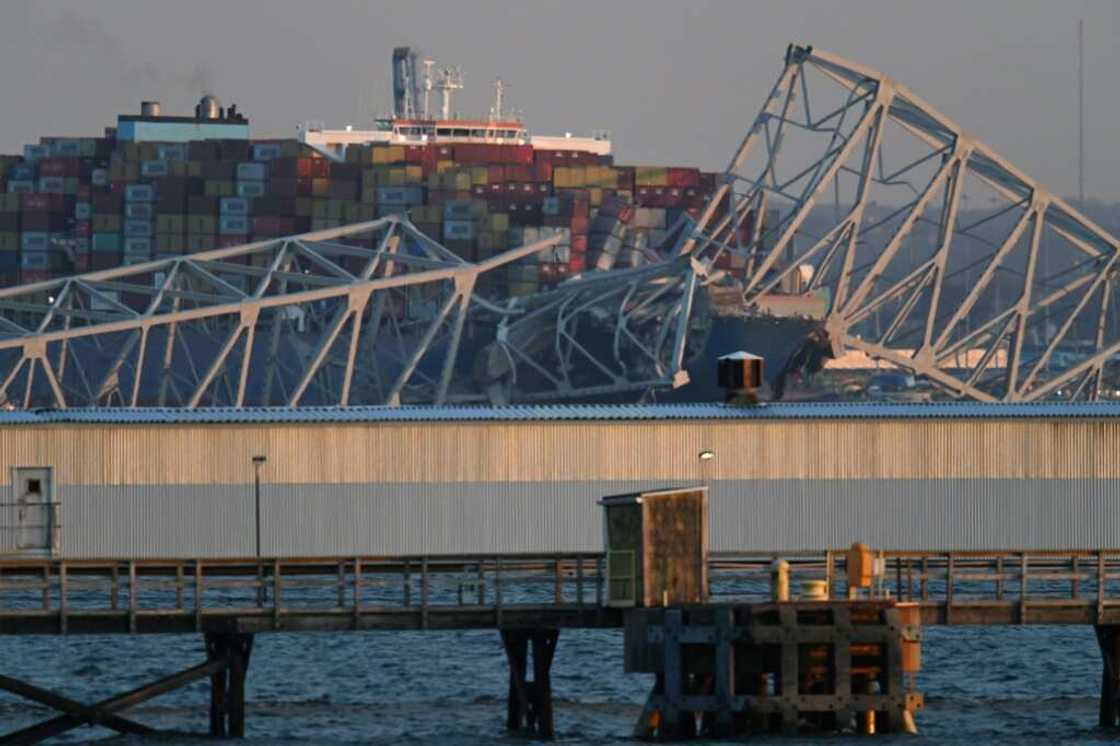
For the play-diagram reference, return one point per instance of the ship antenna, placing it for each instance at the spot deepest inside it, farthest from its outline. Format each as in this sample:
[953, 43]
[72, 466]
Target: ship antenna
[499, 89]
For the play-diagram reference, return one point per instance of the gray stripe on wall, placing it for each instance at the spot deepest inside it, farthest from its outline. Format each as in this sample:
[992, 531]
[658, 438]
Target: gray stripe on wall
[411, 518]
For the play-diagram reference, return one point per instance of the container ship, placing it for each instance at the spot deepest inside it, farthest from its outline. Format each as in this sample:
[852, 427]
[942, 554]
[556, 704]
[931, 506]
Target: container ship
[159, 185]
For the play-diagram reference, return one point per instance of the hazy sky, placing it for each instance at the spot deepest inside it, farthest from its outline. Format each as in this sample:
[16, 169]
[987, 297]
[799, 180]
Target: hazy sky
[675, 82]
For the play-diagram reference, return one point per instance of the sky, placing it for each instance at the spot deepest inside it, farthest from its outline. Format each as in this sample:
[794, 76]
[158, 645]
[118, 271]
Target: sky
[676, 83]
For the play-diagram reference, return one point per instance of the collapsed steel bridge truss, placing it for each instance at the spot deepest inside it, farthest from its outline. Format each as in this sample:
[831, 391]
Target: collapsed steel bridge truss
[374, 313]
[932, 247]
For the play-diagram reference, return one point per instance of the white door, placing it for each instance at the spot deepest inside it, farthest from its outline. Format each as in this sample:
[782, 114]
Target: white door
[33, 509]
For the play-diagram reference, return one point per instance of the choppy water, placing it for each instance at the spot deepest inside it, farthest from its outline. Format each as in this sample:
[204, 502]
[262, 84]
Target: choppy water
[1010, 684]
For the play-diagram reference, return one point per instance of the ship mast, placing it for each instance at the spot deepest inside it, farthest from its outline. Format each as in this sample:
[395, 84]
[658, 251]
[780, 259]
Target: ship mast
[428, 88]
[451, 79]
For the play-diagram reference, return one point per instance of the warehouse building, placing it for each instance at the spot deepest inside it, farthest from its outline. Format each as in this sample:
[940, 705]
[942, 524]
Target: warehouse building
[377, 481]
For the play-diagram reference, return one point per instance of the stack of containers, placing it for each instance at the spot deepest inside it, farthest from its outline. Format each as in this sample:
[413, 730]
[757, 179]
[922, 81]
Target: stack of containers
[96, 204]
[139, 222]
[9, 238]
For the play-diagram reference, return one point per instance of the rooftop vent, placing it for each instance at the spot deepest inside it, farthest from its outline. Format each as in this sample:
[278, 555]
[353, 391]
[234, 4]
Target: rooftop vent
[740, 377]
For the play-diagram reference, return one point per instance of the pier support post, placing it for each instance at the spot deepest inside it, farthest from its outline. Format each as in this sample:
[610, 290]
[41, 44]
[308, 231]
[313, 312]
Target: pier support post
[529, 707]
[1108, 638]
[227, 684]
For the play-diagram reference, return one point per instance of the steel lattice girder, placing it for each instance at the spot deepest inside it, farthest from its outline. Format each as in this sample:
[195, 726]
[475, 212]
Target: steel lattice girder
[374, 313]
[369, 313]
[1016, 280]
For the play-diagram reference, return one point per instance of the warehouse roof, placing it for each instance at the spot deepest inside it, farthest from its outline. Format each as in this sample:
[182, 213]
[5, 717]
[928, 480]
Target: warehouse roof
[563, 412]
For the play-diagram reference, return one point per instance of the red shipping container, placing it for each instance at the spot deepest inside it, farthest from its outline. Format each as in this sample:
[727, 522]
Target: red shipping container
[82, 263]
[579, 245]
[542, 171]
[351, 171]
[579, 225]
[43, 203]
[684, 177]
[577, 262]
[42, 222]
[104, 260]
[581, 207]
[219, 170]
[290, 168]
[200, 204]
[83, 229]
[108, 203]
[320, 168]
[236, 150]
[28, 276]
[65, 167]
[203, 150]
[518, 154]
[496, 174]
[415, 153]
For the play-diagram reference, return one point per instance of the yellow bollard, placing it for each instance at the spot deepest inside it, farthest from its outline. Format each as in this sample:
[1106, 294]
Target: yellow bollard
[779, 580]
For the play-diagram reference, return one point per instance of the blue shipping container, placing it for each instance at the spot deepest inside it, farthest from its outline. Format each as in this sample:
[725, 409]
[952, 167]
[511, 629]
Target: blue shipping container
[458, 230]
[233, 225]
[137, 228]
[252, 171]
[266, 151]
[106, 242]
[393, 195]
[33, 241]
[138, 246]
[34, 259]
[139, 193]
[234, 206]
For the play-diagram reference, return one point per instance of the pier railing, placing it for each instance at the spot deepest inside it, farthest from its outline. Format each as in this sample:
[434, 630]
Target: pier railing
[487, 591]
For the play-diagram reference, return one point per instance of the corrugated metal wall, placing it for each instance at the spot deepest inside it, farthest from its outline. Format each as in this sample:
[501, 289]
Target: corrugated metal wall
[174, 490]
[544, 451]
[415, 518]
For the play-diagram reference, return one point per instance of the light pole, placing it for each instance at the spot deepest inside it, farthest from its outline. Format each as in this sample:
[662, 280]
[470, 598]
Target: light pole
[704, 457]
[258, 462]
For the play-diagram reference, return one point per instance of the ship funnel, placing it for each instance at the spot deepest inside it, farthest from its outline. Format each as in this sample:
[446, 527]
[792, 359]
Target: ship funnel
[740, 377]
[209, 108]
[149, 108]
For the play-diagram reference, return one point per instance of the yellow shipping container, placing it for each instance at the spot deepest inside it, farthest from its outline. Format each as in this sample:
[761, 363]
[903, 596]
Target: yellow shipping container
[216, 188]
[149, 151]
[106, 223]
[414, 174]
[480, 175]
[396, 177]
[170, 224]
[651, 176]
[194, 169]
[595, 196]
[200, 242]
[130, 151]
[499, 221]
[320, 187]
[369, 178]
[442, 166]
[201, 225]
[369, 195]
[396, 154]
[9, 203]
[319, 209]
[171, 243]
[462, 181]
